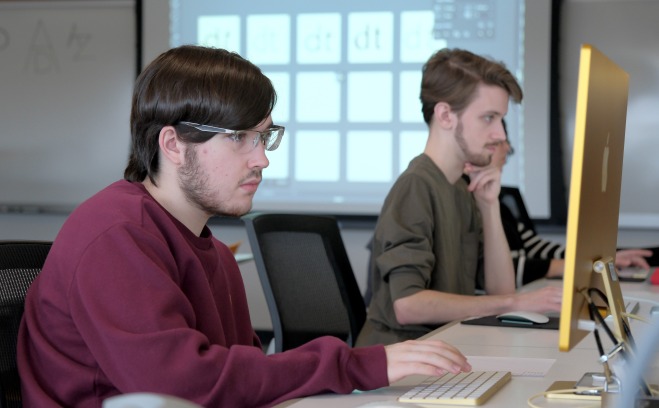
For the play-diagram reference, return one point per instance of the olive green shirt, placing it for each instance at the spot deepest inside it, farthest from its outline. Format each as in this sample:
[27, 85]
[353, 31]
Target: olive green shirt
[428, 236]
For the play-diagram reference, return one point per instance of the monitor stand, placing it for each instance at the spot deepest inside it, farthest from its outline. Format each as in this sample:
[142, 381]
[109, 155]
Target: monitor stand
[583, 389]
[616, 302]
[621, 327]
[607, 380]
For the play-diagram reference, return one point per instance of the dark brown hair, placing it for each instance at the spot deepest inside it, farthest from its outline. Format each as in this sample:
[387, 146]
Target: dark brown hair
[452, 76]
[195, 84]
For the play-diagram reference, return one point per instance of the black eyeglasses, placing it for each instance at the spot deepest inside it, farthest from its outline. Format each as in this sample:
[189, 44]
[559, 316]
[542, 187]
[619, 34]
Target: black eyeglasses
[244, 141]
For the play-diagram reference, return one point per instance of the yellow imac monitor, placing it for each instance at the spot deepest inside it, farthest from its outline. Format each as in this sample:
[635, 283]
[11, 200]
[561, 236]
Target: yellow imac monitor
[594, 196]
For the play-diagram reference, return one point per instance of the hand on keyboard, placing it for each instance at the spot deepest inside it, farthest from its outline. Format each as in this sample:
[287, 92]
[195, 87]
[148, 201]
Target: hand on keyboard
[426, 357]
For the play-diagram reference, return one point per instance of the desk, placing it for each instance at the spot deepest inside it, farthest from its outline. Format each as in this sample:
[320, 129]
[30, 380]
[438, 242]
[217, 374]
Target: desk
[510, 342]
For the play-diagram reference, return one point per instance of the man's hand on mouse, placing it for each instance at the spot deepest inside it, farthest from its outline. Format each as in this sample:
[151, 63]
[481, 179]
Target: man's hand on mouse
[547, 299]
[426, 357]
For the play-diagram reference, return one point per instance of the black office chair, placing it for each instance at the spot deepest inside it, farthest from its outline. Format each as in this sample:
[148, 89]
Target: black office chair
[512, 198]
[306, 276]
[20, 263]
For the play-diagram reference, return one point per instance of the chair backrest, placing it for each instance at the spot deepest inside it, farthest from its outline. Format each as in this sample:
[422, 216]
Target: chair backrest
[20, 262]
[512, 198]
[307, 279]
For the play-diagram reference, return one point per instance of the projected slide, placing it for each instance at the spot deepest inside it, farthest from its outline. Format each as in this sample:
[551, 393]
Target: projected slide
[347, 75]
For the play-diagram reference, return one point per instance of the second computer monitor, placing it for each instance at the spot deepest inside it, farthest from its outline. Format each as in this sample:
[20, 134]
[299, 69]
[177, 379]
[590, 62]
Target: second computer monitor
[594, 194]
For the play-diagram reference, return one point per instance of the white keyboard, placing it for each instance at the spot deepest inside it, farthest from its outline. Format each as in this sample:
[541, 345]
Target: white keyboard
[472, 388]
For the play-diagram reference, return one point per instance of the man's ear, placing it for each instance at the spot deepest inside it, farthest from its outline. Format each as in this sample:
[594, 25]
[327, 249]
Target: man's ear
[171, 146]
[444, 115]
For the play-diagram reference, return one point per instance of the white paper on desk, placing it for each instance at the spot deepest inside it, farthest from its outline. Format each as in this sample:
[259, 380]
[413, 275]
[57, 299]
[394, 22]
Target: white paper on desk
[522, 367]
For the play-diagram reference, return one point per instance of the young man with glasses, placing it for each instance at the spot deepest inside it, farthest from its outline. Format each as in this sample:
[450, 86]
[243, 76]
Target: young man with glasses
[437, 239]
[138, 296]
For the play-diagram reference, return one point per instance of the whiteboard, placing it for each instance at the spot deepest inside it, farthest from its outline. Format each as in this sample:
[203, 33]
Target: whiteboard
[67, 70]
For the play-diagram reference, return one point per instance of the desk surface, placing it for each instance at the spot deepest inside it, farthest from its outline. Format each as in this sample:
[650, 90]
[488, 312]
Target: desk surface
[509, 342]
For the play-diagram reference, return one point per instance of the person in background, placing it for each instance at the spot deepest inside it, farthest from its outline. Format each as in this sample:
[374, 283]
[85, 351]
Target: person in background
[136, 294]
[535, 257]
[437, 239]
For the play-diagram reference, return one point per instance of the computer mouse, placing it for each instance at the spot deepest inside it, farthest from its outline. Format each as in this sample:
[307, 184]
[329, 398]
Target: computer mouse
[523, 317]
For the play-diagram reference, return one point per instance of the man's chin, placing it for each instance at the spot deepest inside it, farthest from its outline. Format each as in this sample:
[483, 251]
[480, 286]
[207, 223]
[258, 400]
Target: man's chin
[482, 161]
[235, 212]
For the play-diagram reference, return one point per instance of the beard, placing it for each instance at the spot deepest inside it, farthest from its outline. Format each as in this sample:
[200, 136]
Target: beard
[479, 160]
[195, 185]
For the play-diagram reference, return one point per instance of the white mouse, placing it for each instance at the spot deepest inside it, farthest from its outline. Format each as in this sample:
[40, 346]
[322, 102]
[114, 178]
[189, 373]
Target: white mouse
[523, 317]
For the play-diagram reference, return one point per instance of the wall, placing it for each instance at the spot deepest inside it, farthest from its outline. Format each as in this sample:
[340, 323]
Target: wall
[627, 32]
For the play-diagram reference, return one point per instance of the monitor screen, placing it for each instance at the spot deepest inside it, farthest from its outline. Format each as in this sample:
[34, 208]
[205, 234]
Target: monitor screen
[594, 200]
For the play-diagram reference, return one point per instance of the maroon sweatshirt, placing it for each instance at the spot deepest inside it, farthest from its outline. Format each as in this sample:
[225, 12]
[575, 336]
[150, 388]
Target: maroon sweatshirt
[130, 300]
